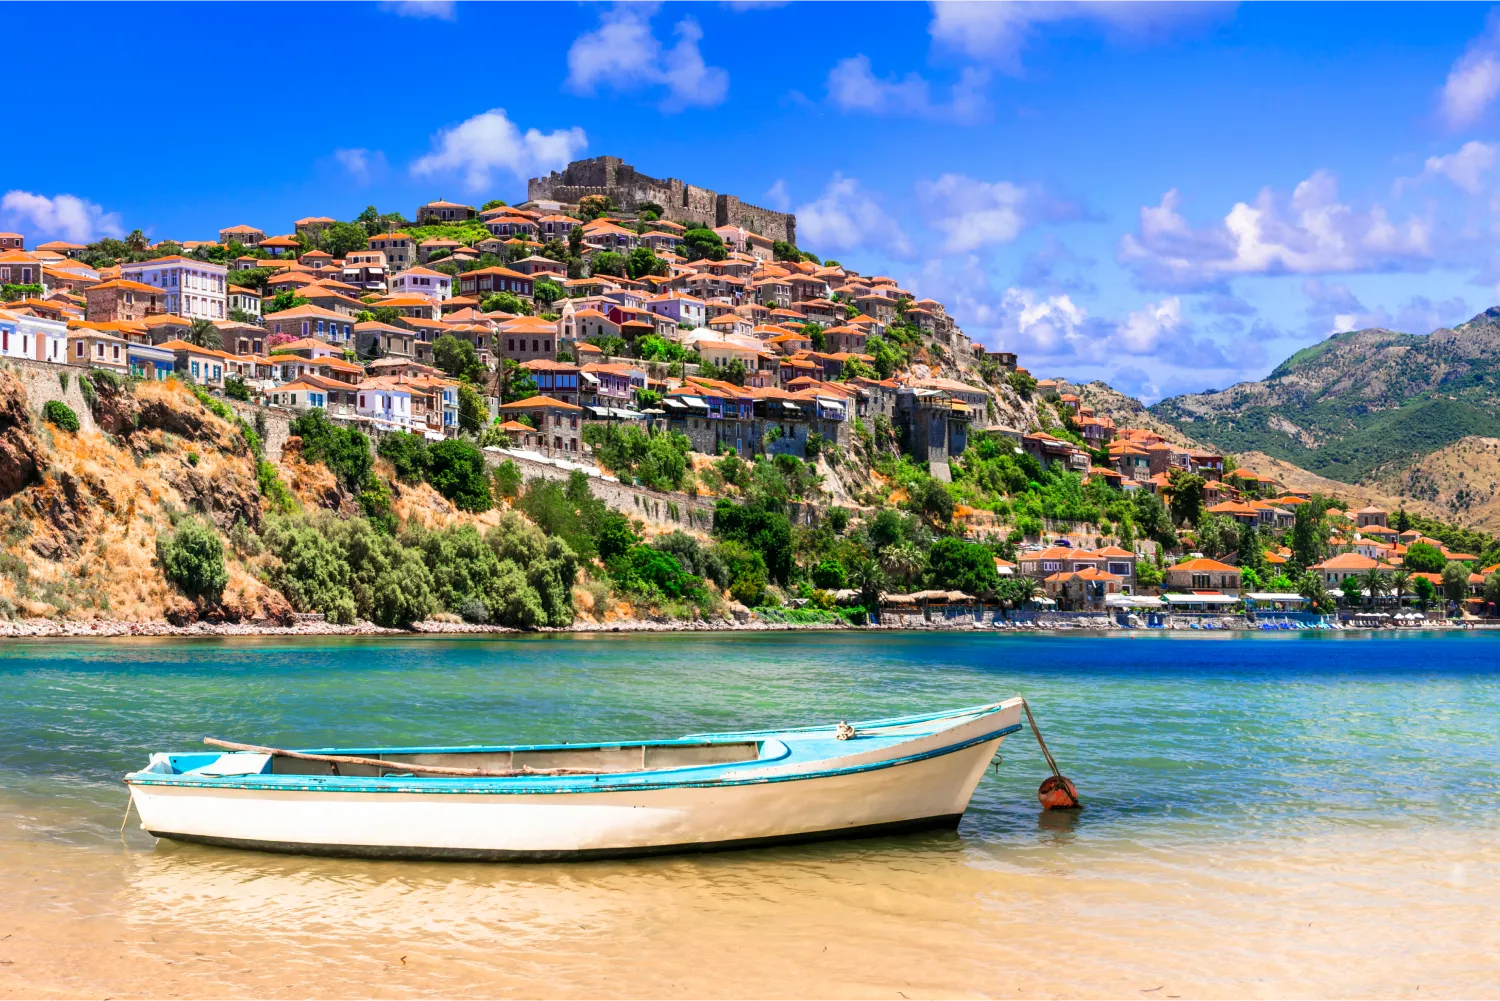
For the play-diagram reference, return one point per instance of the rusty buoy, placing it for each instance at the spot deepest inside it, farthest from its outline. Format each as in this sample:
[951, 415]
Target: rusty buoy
[1057, 792]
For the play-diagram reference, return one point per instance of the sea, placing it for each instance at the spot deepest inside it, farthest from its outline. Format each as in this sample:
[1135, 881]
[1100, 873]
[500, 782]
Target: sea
[1265, 815]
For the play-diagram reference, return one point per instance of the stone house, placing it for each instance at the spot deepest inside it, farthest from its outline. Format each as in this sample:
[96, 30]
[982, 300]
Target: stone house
[120, 300]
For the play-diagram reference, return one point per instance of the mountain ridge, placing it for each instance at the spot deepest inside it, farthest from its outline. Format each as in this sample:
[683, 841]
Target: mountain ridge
[1358, 401]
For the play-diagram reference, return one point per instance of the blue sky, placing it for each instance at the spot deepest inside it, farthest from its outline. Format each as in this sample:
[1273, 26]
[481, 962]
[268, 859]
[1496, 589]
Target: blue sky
[1170, 197]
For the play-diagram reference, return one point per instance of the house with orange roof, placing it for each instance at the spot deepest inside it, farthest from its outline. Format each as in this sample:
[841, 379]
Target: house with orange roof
[557, 225]
[385, 402]
[246, 302]
[558, 425]
[436, 245]
[308, 391]
[400, 250]
[122, 299]
[89, 347]
[1199, 575]
[537, 266]
[247, 236]
[528, 338]
[278, 246]
[511, 225]
[442, 211]
[484, 282]
[331, 298]
[383, 340]
[611, 385]
[309, 321]
[206, 366]
[416, 307]
[434, 285]
[681, 308]
[1334, 570]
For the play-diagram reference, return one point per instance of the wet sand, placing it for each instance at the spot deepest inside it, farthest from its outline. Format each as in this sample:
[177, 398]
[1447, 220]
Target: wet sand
[1356, 912]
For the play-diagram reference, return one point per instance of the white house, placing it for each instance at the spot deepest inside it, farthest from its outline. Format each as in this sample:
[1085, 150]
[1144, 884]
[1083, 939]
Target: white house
[384, 401]
[422, 281]
[194, 289]
[34, 337]
[687, 310]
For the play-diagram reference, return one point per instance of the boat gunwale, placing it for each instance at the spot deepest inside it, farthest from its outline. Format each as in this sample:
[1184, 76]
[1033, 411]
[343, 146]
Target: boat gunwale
[545, 785]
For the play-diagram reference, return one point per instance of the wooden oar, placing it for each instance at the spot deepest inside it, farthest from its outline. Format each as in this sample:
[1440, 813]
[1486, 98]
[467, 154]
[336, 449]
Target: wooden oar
[396, 766]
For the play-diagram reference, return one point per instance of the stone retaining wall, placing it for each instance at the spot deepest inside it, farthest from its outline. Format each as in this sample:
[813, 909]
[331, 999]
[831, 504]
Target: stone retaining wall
[42, 384]
[672, 510]
[277, 424]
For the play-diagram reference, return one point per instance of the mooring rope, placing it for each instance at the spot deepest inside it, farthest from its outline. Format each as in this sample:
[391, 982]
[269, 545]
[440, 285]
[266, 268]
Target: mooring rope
[1051, 761]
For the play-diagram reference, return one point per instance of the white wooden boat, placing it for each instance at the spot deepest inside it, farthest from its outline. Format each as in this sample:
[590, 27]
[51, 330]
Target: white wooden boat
[702, 792]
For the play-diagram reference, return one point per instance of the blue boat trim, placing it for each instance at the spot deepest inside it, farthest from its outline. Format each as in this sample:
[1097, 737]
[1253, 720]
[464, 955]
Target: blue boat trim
[945, 822]
[553, 785]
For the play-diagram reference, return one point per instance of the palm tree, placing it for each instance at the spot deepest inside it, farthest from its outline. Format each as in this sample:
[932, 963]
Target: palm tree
[1401, 585]
[866, 575]
[136, 242]
[903, 560]
[1026, 589]
[204, 334]
[1374, 581]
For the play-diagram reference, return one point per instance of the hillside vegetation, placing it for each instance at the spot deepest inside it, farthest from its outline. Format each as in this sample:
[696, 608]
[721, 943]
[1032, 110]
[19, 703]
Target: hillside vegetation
[1358, 401]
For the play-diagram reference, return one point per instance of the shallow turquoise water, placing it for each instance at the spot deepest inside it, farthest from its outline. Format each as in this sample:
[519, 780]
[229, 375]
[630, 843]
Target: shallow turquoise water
[1265, 816]
[1170, 738]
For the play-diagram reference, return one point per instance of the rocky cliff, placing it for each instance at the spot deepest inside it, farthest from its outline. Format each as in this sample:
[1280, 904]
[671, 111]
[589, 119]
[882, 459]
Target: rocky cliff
[80, 512]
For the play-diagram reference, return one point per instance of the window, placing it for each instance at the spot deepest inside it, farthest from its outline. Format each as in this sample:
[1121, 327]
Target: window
[1202, 580]
[79, 352]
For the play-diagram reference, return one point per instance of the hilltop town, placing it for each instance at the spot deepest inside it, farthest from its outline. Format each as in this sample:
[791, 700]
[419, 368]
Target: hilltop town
[779, 431]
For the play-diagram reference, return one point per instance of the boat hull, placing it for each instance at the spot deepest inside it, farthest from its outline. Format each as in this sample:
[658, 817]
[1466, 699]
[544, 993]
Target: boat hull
[884, 799]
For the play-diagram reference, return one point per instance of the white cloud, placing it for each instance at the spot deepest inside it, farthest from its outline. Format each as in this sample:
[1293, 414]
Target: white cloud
[846, 217]
[363, 165]
[1144, 328]
[995, 31]
[65, 216]
[975, 214]
[1465, 167]
[853, 86]
[438, 10]
[490, 143]
[624, 54]
[1474, 81]
[779, 197]
[1312, 232]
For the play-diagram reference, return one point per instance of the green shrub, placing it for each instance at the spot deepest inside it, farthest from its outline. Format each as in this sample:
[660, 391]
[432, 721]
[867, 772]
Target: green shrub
[311, 569]
[1424, 557]
[616, 536]
[694, 557]
[59, 414]
[657, 460]
[407, 453]
[508, 479]
[652, 573]
[962, 566]
[235, 388]
[830, 575]
[62, 380]
[571, 512]
[345, 451]
[272, 489]
[192, 557]
[456, 470]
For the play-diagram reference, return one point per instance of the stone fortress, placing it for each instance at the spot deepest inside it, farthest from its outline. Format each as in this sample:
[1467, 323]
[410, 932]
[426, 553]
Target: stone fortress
[627, 188]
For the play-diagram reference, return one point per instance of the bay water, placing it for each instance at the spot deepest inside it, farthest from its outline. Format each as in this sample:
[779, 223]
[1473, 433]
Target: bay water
[1265, 816]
